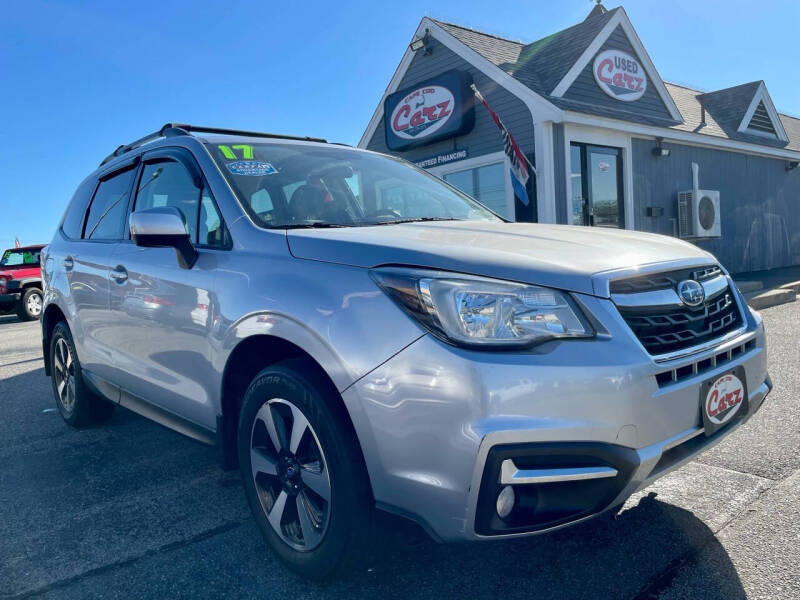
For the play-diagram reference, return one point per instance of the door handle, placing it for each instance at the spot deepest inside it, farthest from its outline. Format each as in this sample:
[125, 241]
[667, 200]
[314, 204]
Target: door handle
[68, 263]
[119, 274]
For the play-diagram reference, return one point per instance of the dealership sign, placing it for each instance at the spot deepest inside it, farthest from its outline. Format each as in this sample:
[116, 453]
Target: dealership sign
[430, 111]
[620, 75]
[423, 112]
[442, 159]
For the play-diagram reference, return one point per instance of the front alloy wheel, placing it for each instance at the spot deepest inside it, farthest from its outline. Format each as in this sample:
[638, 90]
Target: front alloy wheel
[302, 470]
[290, 474]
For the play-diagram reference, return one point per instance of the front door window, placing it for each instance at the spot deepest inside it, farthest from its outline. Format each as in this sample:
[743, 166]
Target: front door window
[597, 197]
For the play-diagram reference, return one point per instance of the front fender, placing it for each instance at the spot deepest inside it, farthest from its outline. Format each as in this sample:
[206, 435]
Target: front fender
[290, 330]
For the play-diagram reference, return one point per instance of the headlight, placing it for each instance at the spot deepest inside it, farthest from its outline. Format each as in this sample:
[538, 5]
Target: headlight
[477, 311]
[2, 282]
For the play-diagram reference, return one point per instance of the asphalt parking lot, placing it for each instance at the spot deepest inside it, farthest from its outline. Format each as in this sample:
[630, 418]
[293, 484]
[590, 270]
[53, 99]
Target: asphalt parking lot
[133, 510]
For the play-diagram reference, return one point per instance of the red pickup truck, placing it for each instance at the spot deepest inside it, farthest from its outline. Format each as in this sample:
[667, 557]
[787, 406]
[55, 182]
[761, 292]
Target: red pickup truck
[21, 282]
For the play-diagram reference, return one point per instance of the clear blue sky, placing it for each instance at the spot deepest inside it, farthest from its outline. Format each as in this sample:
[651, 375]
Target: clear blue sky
[78, 79]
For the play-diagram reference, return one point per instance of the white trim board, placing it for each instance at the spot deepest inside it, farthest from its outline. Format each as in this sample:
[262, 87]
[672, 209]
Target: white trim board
[619, 19]
[545, 172]
[676, 135]
[539, 108]
[394, 83]
[763, 95]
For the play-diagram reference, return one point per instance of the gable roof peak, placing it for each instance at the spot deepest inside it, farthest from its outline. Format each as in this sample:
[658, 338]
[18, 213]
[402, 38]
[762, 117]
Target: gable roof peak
[743, 88]
[598, 9]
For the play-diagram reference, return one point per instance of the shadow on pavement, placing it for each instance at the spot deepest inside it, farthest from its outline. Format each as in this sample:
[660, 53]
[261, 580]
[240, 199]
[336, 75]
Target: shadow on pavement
[139, 510]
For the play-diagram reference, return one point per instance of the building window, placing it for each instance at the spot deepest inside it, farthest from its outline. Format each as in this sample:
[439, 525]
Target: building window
[487, 184]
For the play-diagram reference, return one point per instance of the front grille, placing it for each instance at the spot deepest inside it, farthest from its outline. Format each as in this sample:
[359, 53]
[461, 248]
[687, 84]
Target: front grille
[663, 329]
[660, 281]
[672, 376]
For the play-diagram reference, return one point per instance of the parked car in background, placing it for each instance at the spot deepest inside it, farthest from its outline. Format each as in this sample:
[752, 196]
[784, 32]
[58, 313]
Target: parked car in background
[21, 282]
[355, 334]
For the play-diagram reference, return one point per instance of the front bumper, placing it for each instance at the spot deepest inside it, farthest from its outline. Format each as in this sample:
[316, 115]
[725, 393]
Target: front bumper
[435, 420]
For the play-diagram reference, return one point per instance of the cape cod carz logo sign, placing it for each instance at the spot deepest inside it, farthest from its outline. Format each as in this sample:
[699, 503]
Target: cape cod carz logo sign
[423, 112]
[440, 108]
[620, 75]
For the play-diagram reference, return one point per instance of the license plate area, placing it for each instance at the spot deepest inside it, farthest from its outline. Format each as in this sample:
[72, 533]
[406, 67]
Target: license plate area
[723, 400]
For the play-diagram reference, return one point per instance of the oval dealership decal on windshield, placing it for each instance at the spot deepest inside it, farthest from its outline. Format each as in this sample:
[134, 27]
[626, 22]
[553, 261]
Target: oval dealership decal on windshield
[422, 112]
[620, 75]
[251, 167]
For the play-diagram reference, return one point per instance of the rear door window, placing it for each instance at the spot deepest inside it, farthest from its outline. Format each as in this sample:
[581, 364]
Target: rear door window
[109, 206]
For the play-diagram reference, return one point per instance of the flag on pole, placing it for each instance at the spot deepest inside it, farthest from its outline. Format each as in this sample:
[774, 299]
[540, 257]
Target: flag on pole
[16, 242]
[519, 164]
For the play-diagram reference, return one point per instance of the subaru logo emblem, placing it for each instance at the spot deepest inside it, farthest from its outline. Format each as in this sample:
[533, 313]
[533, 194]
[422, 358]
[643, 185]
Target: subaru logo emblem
[691, 293]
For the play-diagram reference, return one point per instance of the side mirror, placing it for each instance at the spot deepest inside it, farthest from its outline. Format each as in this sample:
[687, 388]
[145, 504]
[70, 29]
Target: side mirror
[163, 227]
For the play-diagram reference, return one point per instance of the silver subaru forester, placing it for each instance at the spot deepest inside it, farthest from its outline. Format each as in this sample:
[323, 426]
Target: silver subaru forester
[354, 334]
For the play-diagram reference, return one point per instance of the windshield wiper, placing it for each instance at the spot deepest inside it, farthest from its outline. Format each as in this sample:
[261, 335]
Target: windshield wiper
[417, 220]
[318, 225]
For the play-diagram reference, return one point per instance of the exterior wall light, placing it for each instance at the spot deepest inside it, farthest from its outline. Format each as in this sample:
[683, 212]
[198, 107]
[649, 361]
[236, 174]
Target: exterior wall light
[659, 150]
[792, 164]
[421, 42]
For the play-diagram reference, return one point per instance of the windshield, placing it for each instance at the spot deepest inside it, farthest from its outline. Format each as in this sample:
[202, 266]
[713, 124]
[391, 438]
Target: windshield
[297, 185]
[19, 258]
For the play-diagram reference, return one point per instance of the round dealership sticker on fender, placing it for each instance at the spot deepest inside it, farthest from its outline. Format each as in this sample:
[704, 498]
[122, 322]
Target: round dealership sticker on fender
[723, 399]
[620, 75]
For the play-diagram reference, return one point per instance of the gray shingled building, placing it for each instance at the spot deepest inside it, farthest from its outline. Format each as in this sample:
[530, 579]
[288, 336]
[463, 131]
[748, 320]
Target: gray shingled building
[612, 143]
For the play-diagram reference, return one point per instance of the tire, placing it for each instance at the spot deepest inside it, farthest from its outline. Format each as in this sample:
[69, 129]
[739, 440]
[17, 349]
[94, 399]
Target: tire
[29, 307]
[335, 534]
[79, 406]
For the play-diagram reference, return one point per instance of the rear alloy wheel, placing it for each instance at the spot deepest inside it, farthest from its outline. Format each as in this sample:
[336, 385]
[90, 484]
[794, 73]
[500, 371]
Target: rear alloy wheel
[29, 307]
[64, 375]
[303, 472]
[79, 406]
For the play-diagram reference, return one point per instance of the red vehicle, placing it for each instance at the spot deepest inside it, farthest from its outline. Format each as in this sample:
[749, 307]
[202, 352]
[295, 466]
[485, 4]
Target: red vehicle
[21, 282]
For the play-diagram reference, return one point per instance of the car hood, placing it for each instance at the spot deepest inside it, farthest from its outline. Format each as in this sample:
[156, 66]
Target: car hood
[559, 256]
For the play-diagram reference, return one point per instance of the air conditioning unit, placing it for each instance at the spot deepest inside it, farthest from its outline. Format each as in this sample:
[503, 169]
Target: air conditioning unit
[698, 214]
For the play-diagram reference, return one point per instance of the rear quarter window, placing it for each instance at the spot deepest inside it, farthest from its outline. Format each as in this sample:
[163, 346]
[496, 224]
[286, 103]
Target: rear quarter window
[72, 223]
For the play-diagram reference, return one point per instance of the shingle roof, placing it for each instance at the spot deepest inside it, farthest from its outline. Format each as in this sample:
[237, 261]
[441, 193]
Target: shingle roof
[542, 64]
[495, 49]
[724, 110]
[539, 65]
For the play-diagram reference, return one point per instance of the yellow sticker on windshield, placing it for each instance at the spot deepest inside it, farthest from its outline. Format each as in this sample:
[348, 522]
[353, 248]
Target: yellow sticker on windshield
[228, 151]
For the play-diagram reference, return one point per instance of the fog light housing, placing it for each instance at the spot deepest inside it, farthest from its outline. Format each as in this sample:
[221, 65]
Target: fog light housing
[505, 501]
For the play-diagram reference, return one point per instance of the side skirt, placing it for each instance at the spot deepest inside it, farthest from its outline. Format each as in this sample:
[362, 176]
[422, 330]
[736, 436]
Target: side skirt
[132, 402]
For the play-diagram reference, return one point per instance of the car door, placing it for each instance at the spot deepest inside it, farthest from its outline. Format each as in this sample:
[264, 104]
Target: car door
[86, 264]
[163, 311]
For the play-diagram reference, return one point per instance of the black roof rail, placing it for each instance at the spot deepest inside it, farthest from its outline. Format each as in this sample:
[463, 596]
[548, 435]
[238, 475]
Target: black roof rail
[175, 129]
[168, 130]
